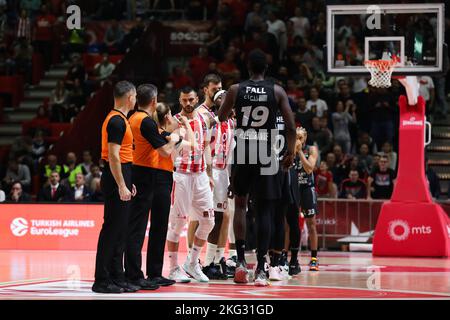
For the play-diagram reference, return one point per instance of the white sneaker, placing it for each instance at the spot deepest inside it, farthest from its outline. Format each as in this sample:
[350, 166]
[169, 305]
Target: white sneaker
[261, 279]
[274, 274]
[178, 275]
[195, 271]
[284, 273]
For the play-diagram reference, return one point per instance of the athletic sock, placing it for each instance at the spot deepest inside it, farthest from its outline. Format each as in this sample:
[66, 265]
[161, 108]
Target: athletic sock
[240, 248]
[313, 253]
[220, 252]
[210, 252]
[195, 254]
[173, 259]
[294, 254]
[261, 261]
[232, 253]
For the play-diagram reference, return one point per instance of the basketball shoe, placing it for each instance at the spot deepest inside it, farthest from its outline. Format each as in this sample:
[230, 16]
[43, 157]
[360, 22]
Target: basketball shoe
[261, 279]
[314, 264]
[241, 273]
[178, 275]
[195, 271]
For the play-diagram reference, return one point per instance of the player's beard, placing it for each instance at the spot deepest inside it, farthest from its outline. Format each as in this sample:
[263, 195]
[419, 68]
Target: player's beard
[188, 109]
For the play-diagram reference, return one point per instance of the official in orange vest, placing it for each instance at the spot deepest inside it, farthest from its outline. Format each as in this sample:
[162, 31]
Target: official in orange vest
[151, 183]
[116, 185]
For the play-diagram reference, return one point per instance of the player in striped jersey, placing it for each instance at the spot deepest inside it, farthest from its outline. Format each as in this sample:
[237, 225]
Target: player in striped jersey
[192, 192]
[222, 144]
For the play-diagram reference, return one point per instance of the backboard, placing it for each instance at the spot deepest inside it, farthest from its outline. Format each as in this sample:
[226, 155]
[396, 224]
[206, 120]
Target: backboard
[414, 33]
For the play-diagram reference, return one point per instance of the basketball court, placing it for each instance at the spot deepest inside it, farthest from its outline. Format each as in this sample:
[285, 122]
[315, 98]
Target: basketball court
[399, 40]
[58, 275]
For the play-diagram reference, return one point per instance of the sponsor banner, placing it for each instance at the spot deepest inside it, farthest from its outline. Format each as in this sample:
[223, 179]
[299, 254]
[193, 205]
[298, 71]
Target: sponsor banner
[50, 227]
[54, 227]
[182, 38]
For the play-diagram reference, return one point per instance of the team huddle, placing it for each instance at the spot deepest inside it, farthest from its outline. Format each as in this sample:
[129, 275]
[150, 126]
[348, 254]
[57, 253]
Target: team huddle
[206, 167]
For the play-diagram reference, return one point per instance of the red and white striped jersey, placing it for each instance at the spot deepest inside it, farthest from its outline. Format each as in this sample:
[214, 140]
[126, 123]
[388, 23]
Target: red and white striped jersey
[203, 108]
[193, 160]
[222, 143]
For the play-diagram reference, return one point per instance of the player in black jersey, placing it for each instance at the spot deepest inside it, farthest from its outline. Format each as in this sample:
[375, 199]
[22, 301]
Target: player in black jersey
[304, 163]
[256, 103]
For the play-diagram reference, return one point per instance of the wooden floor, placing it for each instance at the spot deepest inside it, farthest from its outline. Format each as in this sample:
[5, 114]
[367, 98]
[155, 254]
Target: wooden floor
[69, 275]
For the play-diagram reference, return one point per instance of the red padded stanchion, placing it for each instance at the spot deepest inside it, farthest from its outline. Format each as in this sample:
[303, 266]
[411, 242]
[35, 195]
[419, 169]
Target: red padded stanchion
[410, 224]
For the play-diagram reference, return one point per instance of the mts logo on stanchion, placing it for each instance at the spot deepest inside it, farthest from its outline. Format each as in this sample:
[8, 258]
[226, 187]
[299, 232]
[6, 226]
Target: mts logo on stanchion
[399, 230]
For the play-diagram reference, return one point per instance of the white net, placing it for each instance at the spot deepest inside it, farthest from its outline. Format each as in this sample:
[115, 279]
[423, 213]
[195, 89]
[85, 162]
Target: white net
[380, 72]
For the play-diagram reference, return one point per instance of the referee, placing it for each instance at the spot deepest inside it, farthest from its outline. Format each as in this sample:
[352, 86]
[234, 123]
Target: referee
[116, 185]
[153, 180]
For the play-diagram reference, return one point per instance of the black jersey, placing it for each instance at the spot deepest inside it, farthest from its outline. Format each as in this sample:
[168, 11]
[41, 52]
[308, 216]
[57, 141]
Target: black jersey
[256, 116]
[305, 180]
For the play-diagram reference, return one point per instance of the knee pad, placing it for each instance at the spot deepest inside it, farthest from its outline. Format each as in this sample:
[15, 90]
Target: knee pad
[175, 227]
[205, 226]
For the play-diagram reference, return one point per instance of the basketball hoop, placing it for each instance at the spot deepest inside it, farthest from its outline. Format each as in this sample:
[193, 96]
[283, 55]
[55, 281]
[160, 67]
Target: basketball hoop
[381, 72]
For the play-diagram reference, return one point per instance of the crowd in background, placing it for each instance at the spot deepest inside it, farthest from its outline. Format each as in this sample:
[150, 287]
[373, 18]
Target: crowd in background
[353, 125]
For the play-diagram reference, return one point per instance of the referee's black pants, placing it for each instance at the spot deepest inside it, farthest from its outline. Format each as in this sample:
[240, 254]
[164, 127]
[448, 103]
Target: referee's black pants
[112, 236]
[144, 180]
[154, 189]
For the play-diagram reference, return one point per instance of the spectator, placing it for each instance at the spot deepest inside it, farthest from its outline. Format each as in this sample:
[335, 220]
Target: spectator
[40, 122]
[179, 78]
[71, 169]
[94, 172]
[134, 34]
[199, 65]
[24, 26]
[79, 192]
[344, 93]
[321, 137]
[43, 35]
[87, 162]
[171, 96]
[38, 148]
[277, 27]
[303, 116]
[364, 158]
[77, 97]
[301, 23]
[254, 18]
[17, 172]
[113, 37]
[382, 117]
[104, 69]
[365, 138]
[318, 106]
[17, 195]
[325, 187]
[228, 69]
[76, 71]
[341, 120]
[292, 90]
[51, 166]
[381, 181]
[390, 154]
[353, 187]
[354, 164]
[23, 56]
[97, 195]
[433, 181]
[324, 126]
[426, 90]
[340, 168]
[58, 102]
[54, 191]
